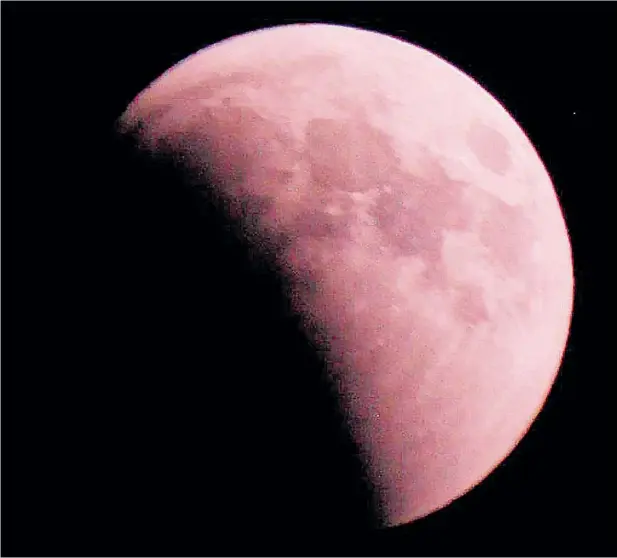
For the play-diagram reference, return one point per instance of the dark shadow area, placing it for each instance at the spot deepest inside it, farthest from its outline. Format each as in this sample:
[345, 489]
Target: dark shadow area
[186, 413]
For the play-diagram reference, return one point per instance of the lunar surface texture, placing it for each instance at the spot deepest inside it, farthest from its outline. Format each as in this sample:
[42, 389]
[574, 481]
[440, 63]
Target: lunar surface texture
[420, 233]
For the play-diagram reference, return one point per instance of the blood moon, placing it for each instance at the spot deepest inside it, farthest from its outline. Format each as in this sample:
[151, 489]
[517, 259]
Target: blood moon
[420, 231]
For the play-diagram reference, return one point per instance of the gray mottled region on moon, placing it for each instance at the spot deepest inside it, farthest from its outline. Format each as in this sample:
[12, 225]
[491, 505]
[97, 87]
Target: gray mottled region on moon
[489, 146]
[337, 158]
[417, 221]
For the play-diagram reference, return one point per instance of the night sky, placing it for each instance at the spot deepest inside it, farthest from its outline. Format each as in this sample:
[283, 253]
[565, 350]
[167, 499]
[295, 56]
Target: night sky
[158, 396]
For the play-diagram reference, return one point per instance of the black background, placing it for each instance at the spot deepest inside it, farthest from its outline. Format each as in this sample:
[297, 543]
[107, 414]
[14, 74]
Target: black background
[157, 397]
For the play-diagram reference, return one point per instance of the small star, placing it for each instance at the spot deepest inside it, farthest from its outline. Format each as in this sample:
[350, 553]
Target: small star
[574, 113]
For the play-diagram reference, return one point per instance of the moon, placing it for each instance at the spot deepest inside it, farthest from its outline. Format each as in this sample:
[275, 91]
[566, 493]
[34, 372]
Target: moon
[423, 240]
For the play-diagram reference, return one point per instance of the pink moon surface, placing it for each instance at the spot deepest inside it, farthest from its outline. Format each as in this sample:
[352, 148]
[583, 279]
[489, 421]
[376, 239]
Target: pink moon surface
[423, 238]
